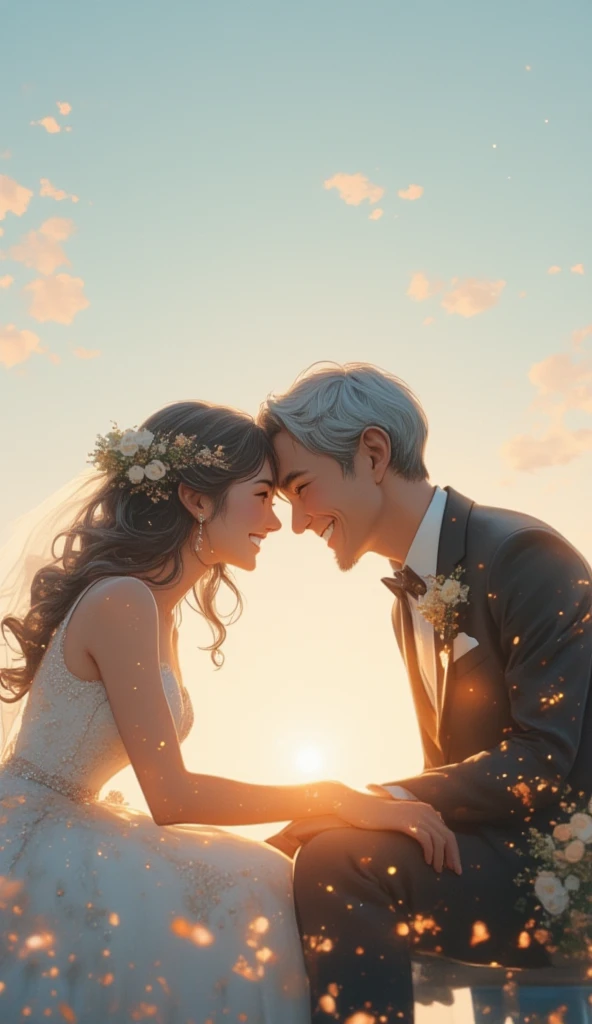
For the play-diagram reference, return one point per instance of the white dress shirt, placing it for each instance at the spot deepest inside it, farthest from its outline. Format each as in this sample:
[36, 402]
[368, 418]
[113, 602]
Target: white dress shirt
[422, 557]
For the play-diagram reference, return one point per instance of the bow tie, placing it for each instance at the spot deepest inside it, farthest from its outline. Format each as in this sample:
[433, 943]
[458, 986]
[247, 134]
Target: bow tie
[406, 581]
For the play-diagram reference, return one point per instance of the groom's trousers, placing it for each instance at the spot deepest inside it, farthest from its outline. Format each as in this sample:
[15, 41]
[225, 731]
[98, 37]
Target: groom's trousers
[366, 900]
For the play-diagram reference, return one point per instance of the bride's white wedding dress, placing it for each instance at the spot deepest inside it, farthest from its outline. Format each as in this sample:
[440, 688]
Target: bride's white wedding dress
[106, 916]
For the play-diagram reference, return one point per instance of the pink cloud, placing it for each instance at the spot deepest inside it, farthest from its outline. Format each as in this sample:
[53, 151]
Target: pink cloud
[50, 124]
[41, 249]
[47, 189]
[57, 298]
[412, 192]
[16, 346]
[563, 384]
[579, 336]
[562, 381]
[58, 228]
[87, 353]
[6, 281]
[578, 269]
[355, 188]
[376, 214]
[64, 108]
[554, 270]
[428, 321]
[421, 288]
[526, 453]
[472, 297]
[14, 198]
[5, 154]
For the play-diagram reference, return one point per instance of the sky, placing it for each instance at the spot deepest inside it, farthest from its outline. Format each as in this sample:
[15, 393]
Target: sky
[199, 201]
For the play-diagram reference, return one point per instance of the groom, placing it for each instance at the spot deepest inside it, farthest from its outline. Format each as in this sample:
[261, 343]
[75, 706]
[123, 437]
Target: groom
[499, 661]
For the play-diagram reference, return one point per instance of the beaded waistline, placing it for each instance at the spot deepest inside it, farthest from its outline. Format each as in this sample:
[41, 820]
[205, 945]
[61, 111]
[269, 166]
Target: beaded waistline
[24, 769]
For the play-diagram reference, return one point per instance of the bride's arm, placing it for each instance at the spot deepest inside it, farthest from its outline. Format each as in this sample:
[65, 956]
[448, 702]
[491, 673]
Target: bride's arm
[123, 641]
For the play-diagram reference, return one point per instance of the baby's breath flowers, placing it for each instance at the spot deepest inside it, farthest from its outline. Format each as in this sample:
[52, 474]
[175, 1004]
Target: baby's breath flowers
[149, 462]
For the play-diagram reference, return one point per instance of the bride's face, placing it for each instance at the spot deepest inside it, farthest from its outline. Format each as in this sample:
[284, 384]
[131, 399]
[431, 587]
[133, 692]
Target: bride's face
[237, 532]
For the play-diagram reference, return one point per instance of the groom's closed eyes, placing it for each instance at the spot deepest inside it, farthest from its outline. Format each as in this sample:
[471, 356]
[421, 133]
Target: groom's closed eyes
[290, 479]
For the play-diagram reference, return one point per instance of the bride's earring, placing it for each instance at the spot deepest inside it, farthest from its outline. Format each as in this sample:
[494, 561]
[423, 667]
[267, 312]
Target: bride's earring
[199, 534]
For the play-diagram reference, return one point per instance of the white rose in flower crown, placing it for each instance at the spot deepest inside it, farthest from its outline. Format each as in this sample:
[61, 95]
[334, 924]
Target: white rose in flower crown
[136, 474]
[574, 851]
[581, 826]
[551, 892]
[155, 470]
[450, 592]
[572, 883]
[129, 443]
[144, 438]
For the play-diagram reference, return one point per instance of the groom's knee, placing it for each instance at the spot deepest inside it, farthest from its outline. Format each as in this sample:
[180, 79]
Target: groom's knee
[331, 857]
[326, 851]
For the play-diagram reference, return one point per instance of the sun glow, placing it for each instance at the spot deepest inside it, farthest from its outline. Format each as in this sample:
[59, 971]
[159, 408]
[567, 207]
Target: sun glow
[309, 760]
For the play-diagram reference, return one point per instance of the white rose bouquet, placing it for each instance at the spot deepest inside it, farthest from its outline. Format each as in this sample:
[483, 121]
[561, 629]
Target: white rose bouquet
[562, 883]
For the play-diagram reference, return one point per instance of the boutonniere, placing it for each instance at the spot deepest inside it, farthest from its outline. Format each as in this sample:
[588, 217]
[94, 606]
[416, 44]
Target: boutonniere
[439, 605]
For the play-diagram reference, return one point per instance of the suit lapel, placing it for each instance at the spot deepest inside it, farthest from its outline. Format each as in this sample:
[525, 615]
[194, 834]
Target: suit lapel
[451, 551]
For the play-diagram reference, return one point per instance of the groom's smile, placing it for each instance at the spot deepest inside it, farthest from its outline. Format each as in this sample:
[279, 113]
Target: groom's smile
[328, 532]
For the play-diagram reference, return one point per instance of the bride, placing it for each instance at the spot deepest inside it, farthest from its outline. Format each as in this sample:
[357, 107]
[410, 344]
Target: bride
[109, 914]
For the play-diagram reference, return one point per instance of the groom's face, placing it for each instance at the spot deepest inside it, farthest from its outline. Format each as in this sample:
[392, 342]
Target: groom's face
[341, 510]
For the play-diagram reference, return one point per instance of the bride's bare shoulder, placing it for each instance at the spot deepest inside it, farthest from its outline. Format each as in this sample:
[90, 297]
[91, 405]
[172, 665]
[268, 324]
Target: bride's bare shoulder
[120, 592]
[117, 611]
[116, 603]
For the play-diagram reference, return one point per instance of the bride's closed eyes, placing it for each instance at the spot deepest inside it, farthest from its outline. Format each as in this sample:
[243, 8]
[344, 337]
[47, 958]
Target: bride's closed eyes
[265, 495]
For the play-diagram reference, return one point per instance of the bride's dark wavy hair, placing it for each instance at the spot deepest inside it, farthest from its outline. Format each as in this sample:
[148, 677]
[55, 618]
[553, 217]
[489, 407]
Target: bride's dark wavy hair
[122, 532]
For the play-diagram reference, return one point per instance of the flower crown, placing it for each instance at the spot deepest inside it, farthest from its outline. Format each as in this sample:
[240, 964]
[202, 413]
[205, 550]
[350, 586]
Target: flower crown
[149, 462]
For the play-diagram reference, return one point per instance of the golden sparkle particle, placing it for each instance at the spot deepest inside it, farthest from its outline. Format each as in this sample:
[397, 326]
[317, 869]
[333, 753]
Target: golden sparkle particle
[260, 925]
[196, 933]
[480, 933]
[67, 1013]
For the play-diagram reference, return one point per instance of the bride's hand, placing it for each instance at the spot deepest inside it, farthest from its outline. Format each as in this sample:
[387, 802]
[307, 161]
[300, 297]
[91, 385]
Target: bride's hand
[297, 833]
[418, 820]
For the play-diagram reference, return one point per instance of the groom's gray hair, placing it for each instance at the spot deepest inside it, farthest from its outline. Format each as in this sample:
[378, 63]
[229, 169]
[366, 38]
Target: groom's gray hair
[329, 406]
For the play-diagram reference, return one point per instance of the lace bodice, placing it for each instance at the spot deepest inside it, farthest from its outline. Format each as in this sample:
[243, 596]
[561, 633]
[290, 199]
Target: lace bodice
[68, 730]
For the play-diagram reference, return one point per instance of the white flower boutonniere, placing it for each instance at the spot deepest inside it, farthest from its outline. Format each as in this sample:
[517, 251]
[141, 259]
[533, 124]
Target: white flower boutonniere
[439, 604]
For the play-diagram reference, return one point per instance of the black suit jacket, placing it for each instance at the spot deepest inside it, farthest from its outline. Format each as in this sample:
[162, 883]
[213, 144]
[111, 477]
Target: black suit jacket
[514, 722]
